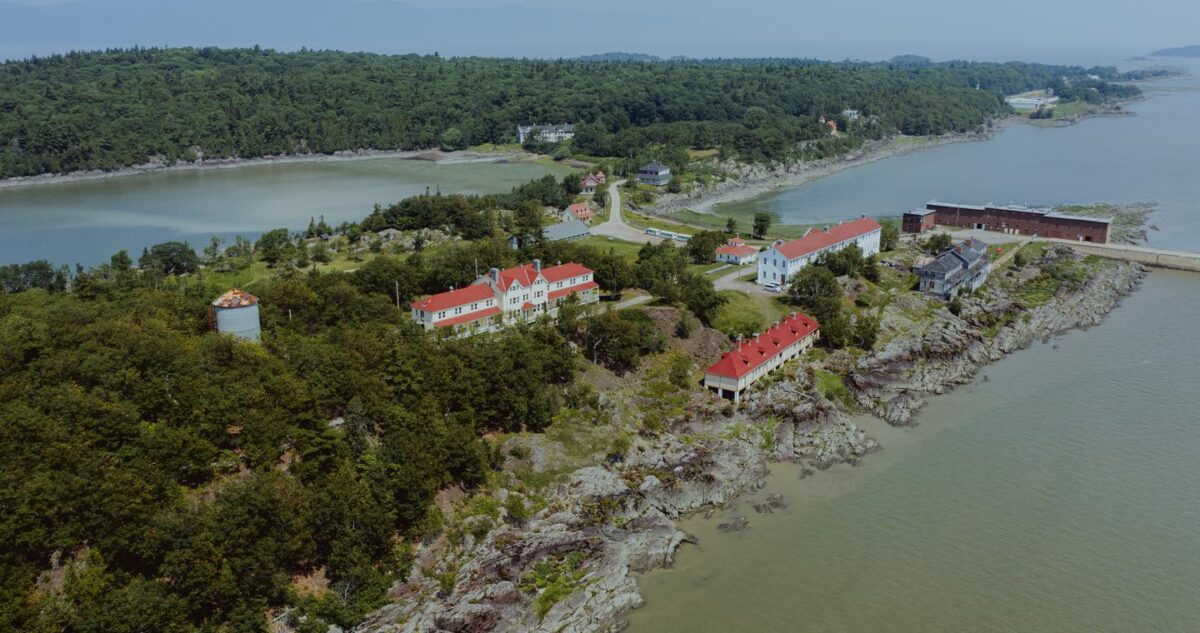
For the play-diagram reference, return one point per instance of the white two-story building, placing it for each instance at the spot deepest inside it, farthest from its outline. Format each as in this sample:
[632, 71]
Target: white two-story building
[777, 264]
[506, 296]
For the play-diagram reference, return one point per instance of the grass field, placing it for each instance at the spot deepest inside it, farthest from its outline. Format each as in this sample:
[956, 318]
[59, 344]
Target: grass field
[612, 244]
[746, 313]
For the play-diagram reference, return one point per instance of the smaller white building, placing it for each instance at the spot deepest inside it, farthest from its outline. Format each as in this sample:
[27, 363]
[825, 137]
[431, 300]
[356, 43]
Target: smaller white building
[545, 133]
[737, 252]
[777, 264]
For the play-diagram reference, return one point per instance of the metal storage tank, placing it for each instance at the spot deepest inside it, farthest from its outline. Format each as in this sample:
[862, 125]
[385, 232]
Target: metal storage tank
[236, 313]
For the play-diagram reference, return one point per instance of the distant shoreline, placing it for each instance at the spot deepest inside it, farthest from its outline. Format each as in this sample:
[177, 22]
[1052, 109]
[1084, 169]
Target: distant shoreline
[754, 181]
[432, 155]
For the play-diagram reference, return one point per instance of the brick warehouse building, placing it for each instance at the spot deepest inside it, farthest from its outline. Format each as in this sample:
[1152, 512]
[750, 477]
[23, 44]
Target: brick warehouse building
[1011, 220]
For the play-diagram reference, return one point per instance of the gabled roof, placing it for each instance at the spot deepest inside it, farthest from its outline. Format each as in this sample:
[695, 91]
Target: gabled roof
[566, 230]
[739, 251]
[581, 210]
[454, 298]
[762, 348]
[235, 298]
[565, 271]
[525, 275]
[815, 241]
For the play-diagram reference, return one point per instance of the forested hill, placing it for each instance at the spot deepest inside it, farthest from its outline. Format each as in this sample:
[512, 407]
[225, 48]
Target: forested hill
[110, 109]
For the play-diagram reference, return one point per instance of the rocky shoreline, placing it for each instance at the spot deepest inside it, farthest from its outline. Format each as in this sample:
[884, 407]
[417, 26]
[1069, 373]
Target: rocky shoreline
[617, 518]
[894, 381]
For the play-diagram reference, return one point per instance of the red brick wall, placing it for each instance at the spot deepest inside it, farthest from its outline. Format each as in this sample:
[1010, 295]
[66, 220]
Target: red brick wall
[1021, 222]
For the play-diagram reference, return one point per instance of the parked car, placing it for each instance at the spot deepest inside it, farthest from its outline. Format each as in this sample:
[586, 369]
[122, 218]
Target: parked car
[773, 287]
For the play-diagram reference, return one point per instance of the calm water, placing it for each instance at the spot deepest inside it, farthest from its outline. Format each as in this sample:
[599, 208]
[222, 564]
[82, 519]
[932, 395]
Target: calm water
[1061, 494]
[89, 221]
[1154, 156]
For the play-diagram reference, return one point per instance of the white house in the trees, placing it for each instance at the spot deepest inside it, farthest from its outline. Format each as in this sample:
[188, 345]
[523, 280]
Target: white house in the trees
[505, 296]
[736, 251]
[777, 264]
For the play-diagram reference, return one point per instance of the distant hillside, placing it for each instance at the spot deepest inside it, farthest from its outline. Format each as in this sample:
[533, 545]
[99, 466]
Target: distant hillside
[91, 111]
[619, 57]
[911, 60]
[1181, 51]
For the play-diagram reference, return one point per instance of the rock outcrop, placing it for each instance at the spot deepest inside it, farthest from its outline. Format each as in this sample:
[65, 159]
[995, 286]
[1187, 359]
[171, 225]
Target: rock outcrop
[893, 381]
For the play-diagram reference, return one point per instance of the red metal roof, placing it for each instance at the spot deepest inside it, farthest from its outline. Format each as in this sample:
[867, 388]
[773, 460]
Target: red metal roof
[455, 298]
[565, 271]
[817, 240]
[740, 251]
[591, 285]
[469, 317]
[581, 210]
[762, 348]
[526, 275]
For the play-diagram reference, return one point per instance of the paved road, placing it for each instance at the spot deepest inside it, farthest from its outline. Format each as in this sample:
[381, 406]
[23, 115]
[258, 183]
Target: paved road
[732, 280]
[616, 226]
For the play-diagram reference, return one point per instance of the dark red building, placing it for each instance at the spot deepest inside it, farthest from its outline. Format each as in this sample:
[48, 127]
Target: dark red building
[1011, 220]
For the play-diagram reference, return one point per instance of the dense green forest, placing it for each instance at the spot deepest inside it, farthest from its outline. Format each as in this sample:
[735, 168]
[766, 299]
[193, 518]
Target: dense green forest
[184, 478]
[158, 477]
[104, 110]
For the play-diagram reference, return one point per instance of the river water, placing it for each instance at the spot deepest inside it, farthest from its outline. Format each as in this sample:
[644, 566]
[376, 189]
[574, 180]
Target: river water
[1059, 494]
[1154, 156]
[88, 221]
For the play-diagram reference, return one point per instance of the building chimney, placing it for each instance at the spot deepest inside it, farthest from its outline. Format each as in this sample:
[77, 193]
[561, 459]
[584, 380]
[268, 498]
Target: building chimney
[537, 265]
[495, 274]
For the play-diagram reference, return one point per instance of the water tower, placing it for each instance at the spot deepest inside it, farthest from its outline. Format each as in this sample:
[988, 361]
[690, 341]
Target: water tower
[236, 313]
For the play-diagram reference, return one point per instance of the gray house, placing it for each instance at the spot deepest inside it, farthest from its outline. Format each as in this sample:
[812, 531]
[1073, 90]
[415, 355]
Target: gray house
[966, 266]
[568, 231]
[654, 173]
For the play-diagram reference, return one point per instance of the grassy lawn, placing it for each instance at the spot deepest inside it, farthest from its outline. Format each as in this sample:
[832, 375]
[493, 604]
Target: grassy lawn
[656, 222]
[259, 271]
[997, 250]
[746, 313]
[1071, 108]
[704, 269]
[745, 222]
[620, 247]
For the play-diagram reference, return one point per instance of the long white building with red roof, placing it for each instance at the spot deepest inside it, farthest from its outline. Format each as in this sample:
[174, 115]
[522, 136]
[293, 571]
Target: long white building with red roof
[505, 296]
[761, 354]
[777, 264]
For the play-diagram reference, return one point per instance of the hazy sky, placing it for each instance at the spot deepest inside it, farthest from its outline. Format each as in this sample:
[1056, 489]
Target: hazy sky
[1047, 30]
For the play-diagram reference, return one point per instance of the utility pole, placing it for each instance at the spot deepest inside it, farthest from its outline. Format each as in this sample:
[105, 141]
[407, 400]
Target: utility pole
[397, 281]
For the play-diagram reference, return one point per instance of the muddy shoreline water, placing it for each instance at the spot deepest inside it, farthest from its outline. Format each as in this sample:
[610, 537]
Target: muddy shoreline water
[213, 164]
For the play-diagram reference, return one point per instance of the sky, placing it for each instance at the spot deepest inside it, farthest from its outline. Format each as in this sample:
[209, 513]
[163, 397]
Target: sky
[1074, 31]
